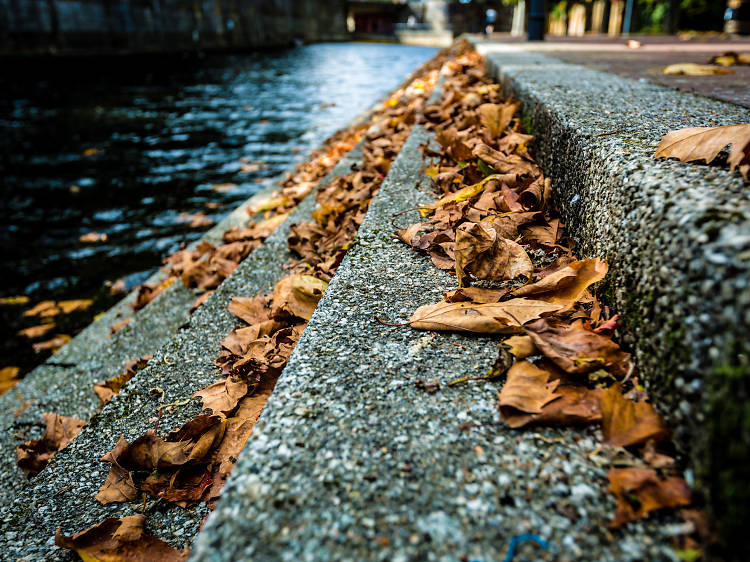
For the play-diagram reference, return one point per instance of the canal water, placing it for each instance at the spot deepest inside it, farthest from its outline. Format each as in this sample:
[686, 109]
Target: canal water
[130, 151]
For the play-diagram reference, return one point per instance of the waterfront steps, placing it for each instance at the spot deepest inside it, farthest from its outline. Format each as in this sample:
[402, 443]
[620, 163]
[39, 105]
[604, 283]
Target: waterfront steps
[353, 460]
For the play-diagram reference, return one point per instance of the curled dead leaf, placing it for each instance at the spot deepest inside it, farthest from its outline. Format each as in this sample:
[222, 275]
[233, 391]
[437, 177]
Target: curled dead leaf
[32, 456]
[481, 253]
[640, 491]
[626, 423]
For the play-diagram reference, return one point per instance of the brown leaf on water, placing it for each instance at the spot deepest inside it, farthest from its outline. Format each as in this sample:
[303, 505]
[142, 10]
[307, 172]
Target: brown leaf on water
[251, 309]
[8, 378]
[568, 284]
[526, 390]
[120, 540]
[32, 456]
[499, 318]
[119, 485]
[52, 344]
[705, 143]
[626, 423]
[481, 253]
[496, 117]
[44, 309]
[107, 389]
[575, 348]
[76, 305]
[297, 296]
[93, 237]
[640, 491]
[36, 331]
[223, 396]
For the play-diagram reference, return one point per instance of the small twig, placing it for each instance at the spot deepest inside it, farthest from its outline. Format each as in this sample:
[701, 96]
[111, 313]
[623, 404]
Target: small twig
[384, 323]
[610, 133]
[393, 216]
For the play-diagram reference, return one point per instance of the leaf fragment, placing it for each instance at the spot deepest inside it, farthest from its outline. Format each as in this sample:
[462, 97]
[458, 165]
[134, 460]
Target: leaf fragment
[640, 491]
[626, 423]
[481, 253]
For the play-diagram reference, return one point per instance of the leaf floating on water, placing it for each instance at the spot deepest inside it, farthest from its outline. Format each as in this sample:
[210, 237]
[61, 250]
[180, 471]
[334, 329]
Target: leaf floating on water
[640, 491]
[626, 423]
[120, 540]
[8, 378]
[705, 143]
[499, 318]
[36, 331]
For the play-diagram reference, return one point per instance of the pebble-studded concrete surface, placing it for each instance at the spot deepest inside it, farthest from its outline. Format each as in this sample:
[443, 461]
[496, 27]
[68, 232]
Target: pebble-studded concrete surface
[351, 461]
[62, 495]
[677, 237]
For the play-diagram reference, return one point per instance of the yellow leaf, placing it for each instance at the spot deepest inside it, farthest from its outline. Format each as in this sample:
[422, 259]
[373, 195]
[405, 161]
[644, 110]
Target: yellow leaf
[692, 69]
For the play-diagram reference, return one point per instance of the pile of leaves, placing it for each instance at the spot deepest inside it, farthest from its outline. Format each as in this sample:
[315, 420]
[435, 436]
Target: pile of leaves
[192, 463]
[517, 275]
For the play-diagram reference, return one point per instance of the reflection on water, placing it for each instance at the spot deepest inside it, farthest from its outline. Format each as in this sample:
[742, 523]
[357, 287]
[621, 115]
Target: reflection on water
[130, 148]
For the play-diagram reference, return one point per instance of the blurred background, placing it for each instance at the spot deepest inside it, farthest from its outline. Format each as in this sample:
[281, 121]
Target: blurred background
[129, 127]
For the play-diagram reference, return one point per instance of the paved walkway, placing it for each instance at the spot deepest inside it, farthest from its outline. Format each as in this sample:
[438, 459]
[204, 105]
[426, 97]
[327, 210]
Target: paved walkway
[613, 55]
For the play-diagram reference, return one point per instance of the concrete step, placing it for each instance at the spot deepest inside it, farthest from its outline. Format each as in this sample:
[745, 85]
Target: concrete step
[63, 493]
[352, 461]
[677, 238]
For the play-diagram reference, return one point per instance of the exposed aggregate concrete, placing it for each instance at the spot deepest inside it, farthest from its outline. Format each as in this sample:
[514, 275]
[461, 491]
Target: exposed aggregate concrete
[350, 461]
[677, 238]
[62, 495]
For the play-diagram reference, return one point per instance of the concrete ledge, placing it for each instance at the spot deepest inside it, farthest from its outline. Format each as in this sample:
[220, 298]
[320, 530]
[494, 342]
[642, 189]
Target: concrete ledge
[351, 461]
[677, 237]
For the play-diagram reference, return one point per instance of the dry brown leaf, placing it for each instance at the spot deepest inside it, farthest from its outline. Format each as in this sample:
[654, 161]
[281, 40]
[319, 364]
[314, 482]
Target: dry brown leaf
[77, 305]
[107, 389]
[640, 491]
[150, 452]
[120, 540]
[8, 378]
[520, 346]
[693, 69]
[297, 296]
[499, 318]
[568, 284]
[626, 423]
[250, 309]
[705, 143]
[575, 348]
[32, 456]
[497, 117]
[44, 308]
[481, 253]
[526, 390]
[119, 485]
[222, 396]
[576, 405]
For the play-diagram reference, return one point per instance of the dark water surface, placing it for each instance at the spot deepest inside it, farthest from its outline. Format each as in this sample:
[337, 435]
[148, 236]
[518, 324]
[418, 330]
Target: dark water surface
[124, 146]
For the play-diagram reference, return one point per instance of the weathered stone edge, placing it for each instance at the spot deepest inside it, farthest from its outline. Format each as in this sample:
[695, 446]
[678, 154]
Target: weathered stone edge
[677, 238]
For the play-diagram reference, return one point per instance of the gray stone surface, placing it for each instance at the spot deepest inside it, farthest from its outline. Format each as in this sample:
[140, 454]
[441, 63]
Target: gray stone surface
[677, 237]
[351, 461]
[63, 494]
[64, 383]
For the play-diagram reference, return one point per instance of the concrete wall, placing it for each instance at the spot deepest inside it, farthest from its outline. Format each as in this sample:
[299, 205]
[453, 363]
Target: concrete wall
[108, 26]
